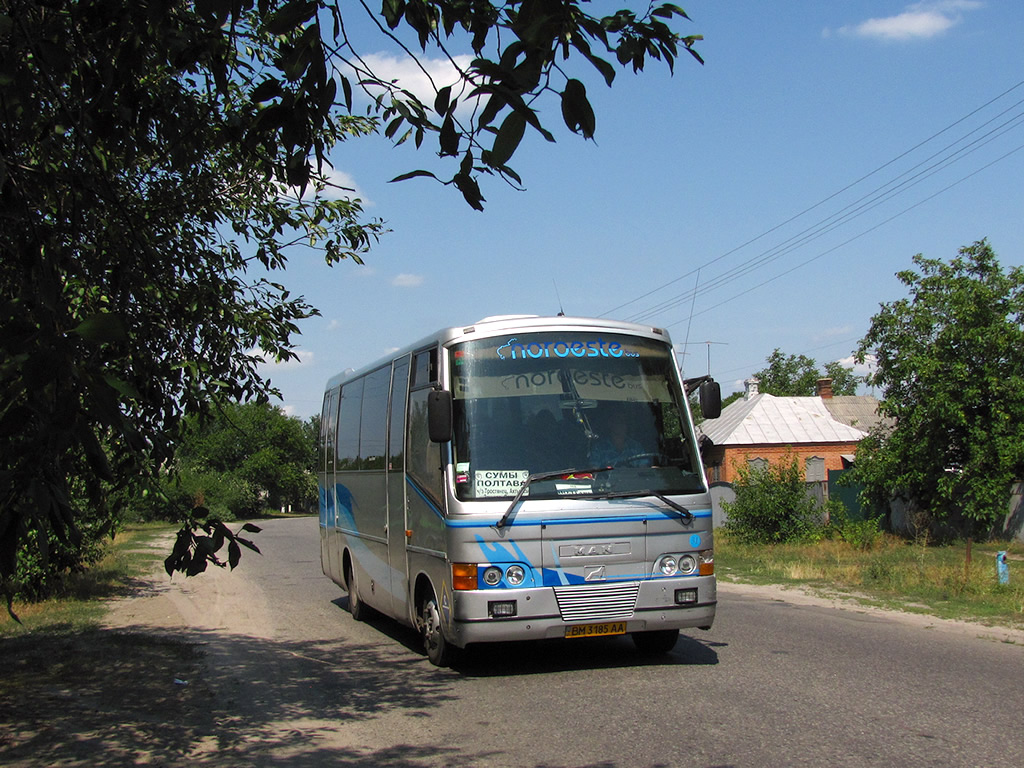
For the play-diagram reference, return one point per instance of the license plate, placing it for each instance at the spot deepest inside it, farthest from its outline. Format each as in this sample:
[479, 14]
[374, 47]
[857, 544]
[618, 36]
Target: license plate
[596, 630]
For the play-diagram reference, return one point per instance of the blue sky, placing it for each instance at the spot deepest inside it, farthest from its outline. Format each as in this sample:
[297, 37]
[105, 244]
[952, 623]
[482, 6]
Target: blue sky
[820, 147]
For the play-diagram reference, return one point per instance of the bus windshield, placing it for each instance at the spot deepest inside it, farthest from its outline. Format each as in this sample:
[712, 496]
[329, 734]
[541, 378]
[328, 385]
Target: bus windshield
[579, 402]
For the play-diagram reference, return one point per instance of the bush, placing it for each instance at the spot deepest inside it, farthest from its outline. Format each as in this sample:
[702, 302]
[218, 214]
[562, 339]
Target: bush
[772, 505]
[45, 562]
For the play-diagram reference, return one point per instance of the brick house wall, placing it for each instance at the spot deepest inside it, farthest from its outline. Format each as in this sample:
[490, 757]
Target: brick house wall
[720, 462]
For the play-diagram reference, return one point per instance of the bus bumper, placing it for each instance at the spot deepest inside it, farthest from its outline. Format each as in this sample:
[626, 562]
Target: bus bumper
[542, 613]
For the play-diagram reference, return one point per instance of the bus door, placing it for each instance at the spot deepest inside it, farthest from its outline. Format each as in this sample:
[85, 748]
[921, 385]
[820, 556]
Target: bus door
[396, 490]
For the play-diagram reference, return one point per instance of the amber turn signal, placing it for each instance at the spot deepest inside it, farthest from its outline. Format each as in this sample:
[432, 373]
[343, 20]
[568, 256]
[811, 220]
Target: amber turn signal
[464, 576]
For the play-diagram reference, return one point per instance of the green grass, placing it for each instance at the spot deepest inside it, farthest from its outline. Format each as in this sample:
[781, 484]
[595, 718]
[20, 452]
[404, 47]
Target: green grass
[80, 604]
[893, 573]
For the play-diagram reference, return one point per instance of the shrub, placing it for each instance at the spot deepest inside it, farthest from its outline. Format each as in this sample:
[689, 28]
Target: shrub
[44, 561]
[772, 505]
[863, 535]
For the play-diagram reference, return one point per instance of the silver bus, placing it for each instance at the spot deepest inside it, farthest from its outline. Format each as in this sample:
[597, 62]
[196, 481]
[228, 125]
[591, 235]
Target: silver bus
[520, 478]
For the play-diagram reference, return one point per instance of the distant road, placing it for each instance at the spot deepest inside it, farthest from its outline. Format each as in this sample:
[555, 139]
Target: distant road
[778, 681]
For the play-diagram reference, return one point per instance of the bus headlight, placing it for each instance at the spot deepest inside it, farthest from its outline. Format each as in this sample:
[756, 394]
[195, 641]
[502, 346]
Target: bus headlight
[667, 565]
[492, 576]
[687, 564]
[515, 575]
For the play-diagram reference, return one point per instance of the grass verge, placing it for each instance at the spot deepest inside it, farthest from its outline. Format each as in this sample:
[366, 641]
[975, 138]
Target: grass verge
[893, 573]
[80, 603]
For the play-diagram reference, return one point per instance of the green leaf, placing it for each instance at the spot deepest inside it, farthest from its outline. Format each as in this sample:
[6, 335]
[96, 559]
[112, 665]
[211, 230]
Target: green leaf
[576, 109]
[442, 100]
[414, 175]
[449, 139]
[508, 138]
[103, 327]
[290, 16]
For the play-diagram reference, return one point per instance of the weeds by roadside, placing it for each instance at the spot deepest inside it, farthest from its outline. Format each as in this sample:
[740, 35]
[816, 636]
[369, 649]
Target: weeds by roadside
[891, 573]
[78, 603]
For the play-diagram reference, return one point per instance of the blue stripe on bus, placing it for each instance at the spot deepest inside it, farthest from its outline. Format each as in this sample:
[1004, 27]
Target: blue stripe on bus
[568, 521]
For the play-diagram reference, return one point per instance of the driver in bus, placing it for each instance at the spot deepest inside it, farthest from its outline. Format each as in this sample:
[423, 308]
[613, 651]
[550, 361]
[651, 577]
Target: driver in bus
[615, 447]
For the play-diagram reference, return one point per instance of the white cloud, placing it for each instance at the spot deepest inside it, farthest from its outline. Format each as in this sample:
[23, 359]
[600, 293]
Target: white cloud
[407, 280]
[423, 80]
[918, 21]
[860, 369]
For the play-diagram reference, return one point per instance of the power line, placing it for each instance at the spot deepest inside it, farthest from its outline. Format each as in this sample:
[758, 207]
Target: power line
[867, 202]
[857, 236]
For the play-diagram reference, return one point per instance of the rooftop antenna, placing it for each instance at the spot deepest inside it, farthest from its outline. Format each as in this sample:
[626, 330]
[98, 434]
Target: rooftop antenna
[561, 312]
[709, 343]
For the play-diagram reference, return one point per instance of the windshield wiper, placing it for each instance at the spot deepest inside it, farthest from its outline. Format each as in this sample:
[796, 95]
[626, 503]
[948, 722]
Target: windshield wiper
[559, 474]
[684, 514]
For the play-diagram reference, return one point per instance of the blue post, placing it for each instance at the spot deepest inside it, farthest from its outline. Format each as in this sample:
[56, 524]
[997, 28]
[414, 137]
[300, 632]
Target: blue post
[1002, 568]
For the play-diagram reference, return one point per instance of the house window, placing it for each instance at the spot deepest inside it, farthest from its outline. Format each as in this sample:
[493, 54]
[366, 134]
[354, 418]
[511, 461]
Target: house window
[814, 467]
[757, 464]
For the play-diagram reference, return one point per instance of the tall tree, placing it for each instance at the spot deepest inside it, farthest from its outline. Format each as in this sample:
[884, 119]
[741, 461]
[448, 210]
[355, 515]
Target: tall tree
[152, 152]
[797, 376]
[950, 362]
[258, 444]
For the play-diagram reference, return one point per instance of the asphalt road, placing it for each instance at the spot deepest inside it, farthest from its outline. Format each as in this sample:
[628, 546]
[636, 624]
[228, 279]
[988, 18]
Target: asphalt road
[292, 680]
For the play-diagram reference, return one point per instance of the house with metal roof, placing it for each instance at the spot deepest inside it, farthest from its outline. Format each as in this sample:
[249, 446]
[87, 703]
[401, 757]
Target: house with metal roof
[761, 429]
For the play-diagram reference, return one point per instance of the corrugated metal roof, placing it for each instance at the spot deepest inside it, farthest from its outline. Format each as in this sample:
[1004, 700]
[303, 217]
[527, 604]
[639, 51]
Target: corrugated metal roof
[860, 411]
[768, 420]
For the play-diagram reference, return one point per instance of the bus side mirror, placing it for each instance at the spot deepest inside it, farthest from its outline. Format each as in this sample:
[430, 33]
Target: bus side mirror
[439, 416]
[711, 399]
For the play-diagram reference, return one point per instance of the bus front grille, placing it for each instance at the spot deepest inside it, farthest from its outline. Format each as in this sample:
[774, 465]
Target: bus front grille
[602, 602]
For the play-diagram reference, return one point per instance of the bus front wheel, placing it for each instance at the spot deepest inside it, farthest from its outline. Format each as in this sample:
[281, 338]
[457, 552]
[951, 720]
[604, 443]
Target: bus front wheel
[438, 649]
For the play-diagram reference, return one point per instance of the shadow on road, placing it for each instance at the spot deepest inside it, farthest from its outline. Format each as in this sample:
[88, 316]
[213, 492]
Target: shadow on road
[544, 656]
[210, 698]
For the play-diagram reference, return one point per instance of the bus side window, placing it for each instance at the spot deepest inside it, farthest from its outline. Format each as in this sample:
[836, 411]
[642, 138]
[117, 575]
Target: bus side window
[373, 426]
[423, 456]
[348, 425]
[424, 367]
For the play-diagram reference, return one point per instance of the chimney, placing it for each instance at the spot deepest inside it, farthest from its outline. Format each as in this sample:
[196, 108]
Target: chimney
[751, 388]
[825, 389]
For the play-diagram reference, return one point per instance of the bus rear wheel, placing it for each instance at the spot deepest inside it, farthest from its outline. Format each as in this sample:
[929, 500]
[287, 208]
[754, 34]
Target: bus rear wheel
[658, 641]
[355, 606]
[439, 651]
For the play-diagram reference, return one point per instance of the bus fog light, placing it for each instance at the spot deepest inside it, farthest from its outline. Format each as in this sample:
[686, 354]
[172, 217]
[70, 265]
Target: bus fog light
[687, 564]
[492, 576]
[499, 609]
[667, 565]
[686, 596]
[515, 575]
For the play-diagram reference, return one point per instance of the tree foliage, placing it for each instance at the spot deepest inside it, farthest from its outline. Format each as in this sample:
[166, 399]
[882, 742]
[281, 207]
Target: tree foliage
[153, 153]
[258, 445]
[797, 376]
[950, 362]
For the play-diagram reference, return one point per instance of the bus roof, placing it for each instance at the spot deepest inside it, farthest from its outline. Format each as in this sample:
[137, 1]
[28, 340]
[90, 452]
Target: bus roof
[498, 324]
